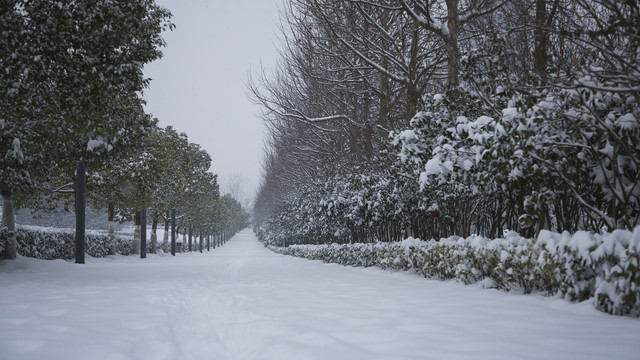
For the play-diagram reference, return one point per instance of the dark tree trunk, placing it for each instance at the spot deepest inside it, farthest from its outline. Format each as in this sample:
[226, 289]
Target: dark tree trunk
[453, 51]
[112, 235]
[173, 232]
[143, 233]
[80, 212]
[165, 238]
[154, 235]
[413, 94]
[541, 40]
[9, 221]
[136, 234]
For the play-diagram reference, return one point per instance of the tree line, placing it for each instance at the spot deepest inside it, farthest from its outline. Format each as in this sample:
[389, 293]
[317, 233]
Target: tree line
[397, 118]
[72, 101]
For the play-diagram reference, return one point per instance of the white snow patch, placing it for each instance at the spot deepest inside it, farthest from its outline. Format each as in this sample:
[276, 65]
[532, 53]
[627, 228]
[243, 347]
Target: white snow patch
[627, 121]
[509, 114]
[242, 301]
[433, 166]
[94, 144]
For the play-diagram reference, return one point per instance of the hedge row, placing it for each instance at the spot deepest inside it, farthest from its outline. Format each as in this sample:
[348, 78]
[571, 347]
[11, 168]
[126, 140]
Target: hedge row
[602, 268]
[49, 243]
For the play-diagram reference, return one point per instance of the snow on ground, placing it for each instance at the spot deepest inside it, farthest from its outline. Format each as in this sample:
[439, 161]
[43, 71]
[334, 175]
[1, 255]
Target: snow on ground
[243, 302]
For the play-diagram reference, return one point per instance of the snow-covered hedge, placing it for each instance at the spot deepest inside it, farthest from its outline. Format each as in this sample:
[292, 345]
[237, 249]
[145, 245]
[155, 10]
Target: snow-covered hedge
[49, 243]
[582, 266]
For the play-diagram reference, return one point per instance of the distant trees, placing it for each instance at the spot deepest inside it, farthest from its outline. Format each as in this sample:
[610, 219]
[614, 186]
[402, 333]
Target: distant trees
[165, 171]
[350, 73]
[523, 116]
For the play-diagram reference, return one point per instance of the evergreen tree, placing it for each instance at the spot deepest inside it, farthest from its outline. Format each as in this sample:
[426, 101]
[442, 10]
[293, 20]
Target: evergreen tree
[73, 74]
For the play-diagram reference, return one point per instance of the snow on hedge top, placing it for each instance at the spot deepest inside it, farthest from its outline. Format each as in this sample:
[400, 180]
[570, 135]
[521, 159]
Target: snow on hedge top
[587, 246]
[410, 241]
[43, 229]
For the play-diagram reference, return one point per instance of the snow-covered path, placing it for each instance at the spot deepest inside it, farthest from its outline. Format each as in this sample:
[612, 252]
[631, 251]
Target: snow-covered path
[243, 302]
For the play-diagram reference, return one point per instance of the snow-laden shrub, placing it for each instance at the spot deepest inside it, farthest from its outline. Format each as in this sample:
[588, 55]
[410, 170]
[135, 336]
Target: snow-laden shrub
[49, 244]
[518, 261]
[617, 286]
[396, 256]
[582, 266]
[571, 255]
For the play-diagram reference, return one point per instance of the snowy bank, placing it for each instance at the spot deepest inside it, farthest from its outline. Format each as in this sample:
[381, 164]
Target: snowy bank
[243, 302]
[582, 266]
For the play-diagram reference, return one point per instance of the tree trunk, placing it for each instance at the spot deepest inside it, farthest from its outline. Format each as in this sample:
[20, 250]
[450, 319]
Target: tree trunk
[368, 131]
[154, 235]
[136, 234]
[9, 221]
[165, 239]
[413, 95]
[143, 233]
[173, 232]
[80, 212]
[453, 51]
[541, 40]
[383, 113]
[111, 229]
[384, 95]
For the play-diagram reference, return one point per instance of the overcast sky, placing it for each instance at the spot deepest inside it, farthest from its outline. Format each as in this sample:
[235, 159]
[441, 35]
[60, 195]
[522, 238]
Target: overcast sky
[198, 86]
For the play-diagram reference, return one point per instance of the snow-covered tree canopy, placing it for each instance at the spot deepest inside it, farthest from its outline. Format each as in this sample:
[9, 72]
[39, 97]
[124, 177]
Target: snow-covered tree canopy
[525, 117]
[72, 80]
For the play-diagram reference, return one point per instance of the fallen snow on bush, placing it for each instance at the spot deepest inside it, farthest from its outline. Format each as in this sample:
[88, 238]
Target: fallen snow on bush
[581, 266]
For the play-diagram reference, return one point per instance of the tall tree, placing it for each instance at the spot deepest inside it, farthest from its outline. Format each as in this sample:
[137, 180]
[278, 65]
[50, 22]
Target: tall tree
[74, 74]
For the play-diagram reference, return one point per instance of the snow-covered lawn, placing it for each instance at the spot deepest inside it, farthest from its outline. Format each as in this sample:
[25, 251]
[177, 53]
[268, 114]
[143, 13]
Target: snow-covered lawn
[243, 302]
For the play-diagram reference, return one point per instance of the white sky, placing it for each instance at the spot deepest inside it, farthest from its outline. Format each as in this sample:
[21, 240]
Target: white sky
[198, 86]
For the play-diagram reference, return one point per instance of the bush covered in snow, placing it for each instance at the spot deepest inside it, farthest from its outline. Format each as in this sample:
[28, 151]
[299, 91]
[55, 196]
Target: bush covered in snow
[49, 243]
[603, 268]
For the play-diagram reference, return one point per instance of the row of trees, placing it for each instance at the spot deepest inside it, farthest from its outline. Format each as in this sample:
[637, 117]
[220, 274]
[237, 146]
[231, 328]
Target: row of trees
[163, 172]
[71, 100]
[523, 115]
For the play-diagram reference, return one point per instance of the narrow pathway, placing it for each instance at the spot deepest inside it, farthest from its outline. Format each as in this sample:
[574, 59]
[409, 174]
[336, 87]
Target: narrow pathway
[241, 301]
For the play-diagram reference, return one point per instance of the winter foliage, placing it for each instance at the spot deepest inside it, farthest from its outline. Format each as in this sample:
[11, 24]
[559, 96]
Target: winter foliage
[518, 115]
